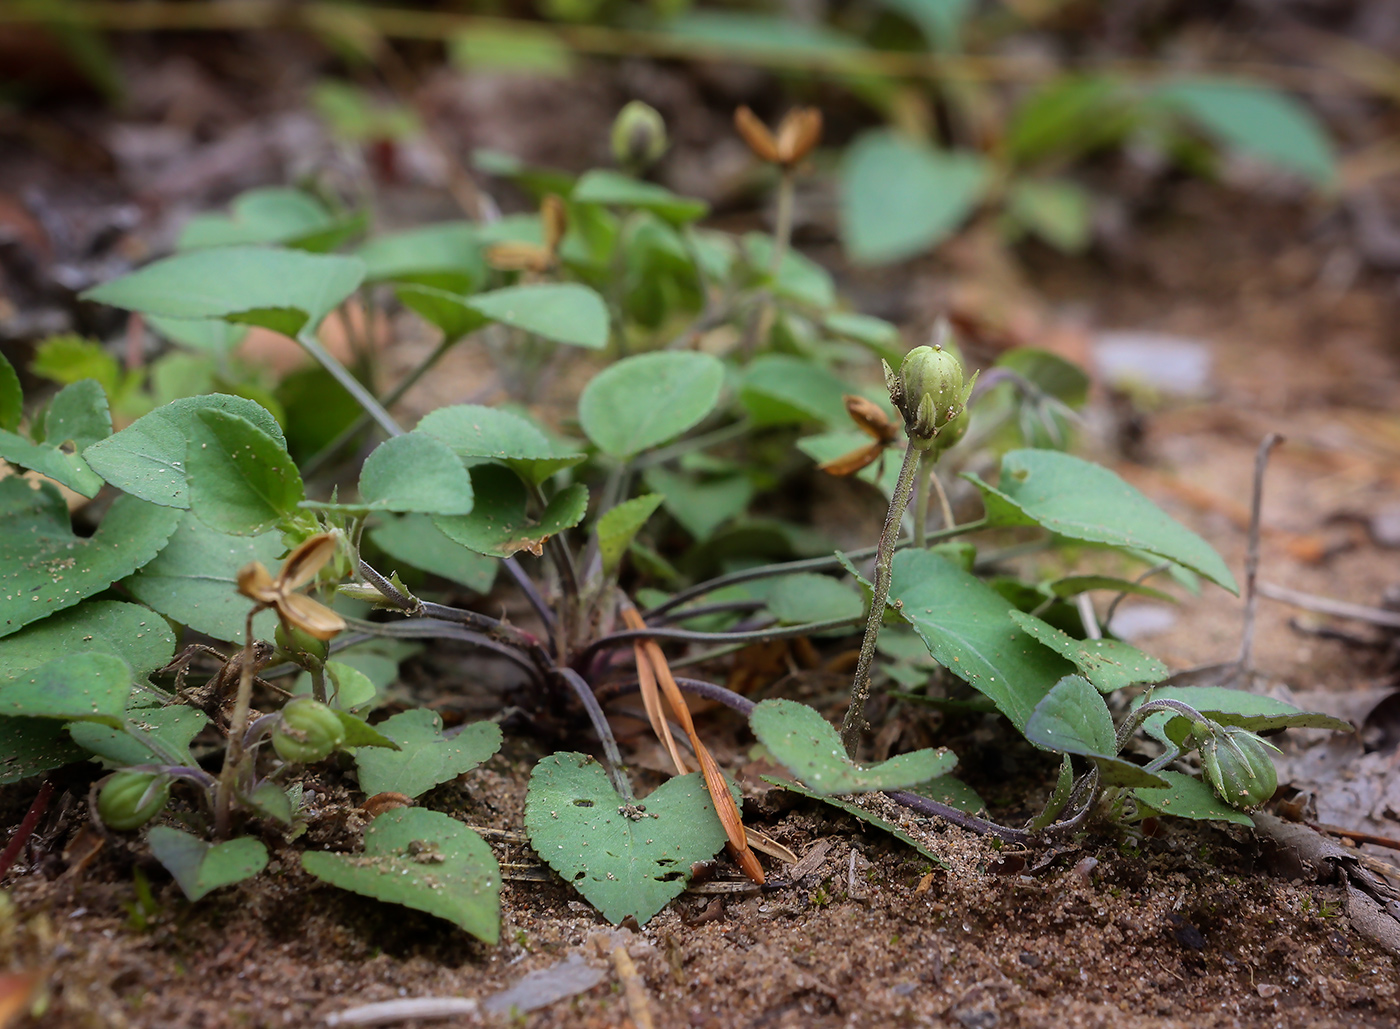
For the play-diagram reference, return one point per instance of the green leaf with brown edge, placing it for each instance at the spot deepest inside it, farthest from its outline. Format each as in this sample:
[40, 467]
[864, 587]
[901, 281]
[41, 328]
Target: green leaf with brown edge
[424, 860]
[967, 626]
[1185, 796]
[147, 458]
[1073, 719]
[74, 688]
[1085, 501]
[807, 745]
[199, 867]
[500, 525]
[242, 481]
[622, 866]
[1108, 664]
[45, 568]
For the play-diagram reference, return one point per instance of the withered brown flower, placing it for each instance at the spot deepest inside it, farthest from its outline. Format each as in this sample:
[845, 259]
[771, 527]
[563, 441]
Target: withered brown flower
[295, 610]
[873, 421]
[798, 134]
[514, 256]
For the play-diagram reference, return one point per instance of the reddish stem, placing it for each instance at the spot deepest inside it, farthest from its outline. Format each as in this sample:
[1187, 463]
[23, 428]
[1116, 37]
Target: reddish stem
[26, 827]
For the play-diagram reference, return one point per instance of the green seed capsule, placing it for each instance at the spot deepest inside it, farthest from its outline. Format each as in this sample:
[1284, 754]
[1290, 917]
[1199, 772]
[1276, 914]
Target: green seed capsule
[1238, 766]
[930, 393]
[131, 799]
[638, 137]
[308, 731]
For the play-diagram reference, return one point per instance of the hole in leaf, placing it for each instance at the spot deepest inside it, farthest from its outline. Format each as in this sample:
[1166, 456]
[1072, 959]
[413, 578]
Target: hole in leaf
[583, 803]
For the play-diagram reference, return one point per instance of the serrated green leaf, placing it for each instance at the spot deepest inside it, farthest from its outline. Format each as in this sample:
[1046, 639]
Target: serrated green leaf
[1073, 719]
[423, 860]
[77, 687]
[622, 867]
[200, 868]
[29, 746]
[617, 527]
[194, 580]
[499, 525]
[649, 399]
[476, 432]
[1108, 664]
[288, 291]
[242, 481]
[613, 189]
[147, 458]
[1085, 501]
[425, 756]
[1185, 796]
[1259, 121]
[900, 197]
[78, 415]
[150, 735]
[811, 749]
[565, 312]
[45, 568]
[779, 389]
[416, 541]
[968, 628]
[131, 632]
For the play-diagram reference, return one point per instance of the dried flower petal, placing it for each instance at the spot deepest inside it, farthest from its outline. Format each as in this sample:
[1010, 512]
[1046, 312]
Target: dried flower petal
[556, 221]
[513, 256]
[850, 463]
[255, 583]
[871, 418]
[798, 134]
[310, 616]
[756, 135]
[305, 561]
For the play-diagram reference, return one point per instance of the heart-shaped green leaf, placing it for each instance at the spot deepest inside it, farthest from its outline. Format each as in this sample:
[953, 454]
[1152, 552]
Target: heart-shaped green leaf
[646, 400]
[1108, 664]
[129, 631]
[76, 687]
[967, 626]
[45, 568]
[613, 189]
[1085, 501]
[1185, 796]
[285, 290]
[475, 433]
[899, 196]
[424, 860]
[29, 746]
[617, 528]
[416, 541]
[623, 867]
[147, 458]
[425, 756]
[811, 749]
[780, 389]
[411, 473]
[499, 524]
[242, 481]
[1073, 719]
[565, 312]
[200, 868]
[193, 581]
[153, 734]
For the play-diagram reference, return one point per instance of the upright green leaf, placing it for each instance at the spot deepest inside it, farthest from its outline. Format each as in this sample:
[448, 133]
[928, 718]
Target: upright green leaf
[45, 568]
[147, 458]
[425, 756]
[621, 866]
[194, 580]
[967, 626]
[646, 400]
[564, 312]
[11, 396]
[500, 523]
[1085, 501]
[285, 290]
[75, 688]
[1073, 719]
[242, 481]
[617, 528]
[131, 632]
[424, 860]
[1259, 121]
[201, 868]
[811, 749]
[900, 197]
[78, 415]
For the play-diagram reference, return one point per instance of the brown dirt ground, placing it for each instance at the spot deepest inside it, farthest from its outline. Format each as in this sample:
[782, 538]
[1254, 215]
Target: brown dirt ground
[1188, 927]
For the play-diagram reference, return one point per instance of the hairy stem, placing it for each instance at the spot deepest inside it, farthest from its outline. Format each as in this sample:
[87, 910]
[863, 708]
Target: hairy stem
[782, 227]
[921, 478]
[237, 728]
[854, 721]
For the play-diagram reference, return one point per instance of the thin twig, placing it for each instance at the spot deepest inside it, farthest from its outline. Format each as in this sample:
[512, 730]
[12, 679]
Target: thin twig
[1328, 606]
[1251, 560]
[237, 728]
[626, 636]
[708, 690]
